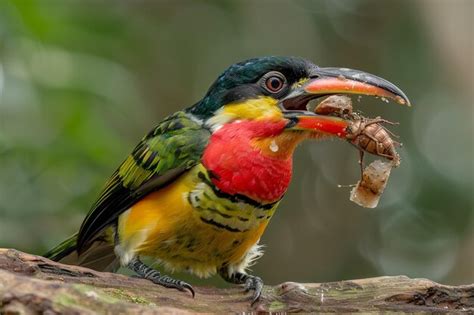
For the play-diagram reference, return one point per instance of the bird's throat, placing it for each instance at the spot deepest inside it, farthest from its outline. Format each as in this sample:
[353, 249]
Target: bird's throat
[252, 158]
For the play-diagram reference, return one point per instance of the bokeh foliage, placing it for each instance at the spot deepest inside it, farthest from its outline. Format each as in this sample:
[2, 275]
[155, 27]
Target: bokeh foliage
[82, 81]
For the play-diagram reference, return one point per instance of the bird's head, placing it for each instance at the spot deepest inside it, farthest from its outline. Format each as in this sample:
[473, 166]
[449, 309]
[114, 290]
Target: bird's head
[279, 88]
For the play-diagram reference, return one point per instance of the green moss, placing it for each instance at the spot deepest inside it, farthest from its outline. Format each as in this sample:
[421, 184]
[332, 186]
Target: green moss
[65, 300]
[97, 298]
[124, 296]
[69, 301]
[276, 306]
[95, 293]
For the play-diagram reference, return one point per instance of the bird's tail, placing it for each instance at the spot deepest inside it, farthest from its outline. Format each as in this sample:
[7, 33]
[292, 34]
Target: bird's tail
[99, 255]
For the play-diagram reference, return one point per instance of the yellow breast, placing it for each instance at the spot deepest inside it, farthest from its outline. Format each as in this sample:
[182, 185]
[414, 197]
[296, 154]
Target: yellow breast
[185, 226]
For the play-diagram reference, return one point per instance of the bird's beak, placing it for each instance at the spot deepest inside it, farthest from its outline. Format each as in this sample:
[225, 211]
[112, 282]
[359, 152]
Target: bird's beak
[330, 81]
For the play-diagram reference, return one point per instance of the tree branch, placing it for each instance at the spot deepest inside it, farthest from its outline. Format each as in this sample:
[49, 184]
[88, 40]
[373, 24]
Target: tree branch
[33, 284]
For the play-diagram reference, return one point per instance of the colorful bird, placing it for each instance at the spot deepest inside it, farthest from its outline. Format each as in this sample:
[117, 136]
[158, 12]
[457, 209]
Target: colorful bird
[198, 191]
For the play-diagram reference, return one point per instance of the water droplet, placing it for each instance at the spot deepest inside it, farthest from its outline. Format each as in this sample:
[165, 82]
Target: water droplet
[274, 146]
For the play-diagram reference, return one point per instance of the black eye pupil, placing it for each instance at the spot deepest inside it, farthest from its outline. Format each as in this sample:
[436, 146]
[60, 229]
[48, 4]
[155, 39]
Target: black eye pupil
[274, 84]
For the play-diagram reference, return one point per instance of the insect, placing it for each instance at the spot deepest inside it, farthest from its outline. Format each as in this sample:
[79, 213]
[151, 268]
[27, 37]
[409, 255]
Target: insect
[366, 134]
[336, 105]
[370, 187]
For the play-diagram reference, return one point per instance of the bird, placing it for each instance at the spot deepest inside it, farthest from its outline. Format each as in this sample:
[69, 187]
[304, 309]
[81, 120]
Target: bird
[198, 191]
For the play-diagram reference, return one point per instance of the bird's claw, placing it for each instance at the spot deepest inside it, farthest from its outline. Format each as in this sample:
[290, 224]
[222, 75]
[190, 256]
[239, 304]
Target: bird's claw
[156, 277]
[169, 282]
[254, 283]
[186, 286]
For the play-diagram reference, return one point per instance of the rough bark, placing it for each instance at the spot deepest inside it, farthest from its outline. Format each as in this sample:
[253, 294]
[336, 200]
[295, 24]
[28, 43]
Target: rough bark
[31, 284]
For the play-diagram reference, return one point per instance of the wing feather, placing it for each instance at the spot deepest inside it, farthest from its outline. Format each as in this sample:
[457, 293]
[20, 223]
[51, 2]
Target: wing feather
[169, 150]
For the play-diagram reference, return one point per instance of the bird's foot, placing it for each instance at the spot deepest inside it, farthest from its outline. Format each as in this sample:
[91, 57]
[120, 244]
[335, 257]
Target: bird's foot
[169, 282]
[256, 284]
[146, 272]
[250, 282]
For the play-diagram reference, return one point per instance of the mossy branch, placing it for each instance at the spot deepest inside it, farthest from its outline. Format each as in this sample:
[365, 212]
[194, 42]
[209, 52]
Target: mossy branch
[32, 284]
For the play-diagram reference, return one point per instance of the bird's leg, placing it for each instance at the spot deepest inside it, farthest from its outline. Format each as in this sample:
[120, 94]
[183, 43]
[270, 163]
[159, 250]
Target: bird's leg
[155, 276]
[361, 163]
[251, 282]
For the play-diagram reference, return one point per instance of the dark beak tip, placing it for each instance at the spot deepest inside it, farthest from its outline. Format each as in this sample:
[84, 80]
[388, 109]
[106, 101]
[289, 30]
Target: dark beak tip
[365, 78]
[401, 98]
[408, 103]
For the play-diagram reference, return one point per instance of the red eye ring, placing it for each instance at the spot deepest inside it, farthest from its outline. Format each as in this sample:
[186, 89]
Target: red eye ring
[274, 83]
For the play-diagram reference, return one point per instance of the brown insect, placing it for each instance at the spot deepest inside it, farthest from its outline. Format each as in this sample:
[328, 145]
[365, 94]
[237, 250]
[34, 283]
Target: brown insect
[368, 135]
[335, 105]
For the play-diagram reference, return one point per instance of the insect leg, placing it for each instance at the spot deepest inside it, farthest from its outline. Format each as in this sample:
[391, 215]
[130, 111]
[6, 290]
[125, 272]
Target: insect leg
[361, 163]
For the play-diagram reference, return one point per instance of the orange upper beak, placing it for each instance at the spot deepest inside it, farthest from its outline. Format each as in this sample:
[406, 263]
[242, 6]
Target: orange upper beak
[330, 81]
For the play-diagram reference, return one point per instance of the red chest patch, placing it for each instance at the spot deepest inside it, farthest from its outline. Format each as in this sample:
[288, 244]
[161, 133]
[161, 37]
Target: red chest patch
[241, 168]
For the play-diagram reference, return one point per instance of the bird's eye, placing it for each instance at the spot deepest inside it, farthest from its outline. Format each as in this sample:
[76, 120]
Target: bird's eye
[274, 82]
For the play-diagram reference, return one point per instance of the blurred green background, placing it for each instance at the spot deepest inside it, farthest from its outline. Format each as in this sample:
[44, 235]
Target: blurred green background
[82, 81]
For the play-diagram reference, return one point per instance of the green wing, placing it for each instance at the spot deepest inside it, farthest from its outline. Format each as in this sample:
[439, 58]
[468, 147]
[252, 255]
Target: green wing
[168, 151]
